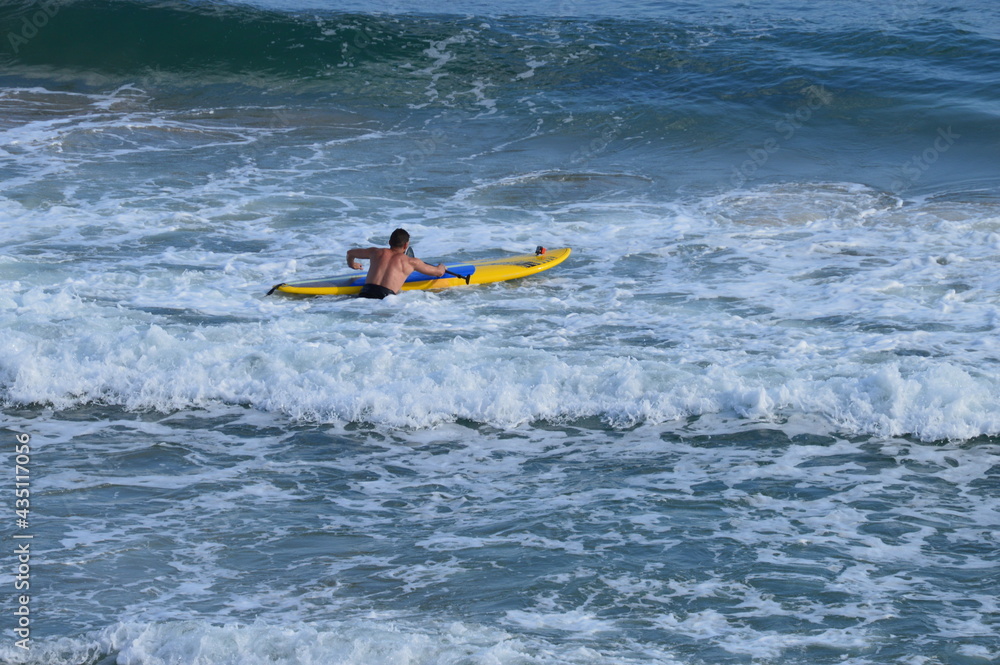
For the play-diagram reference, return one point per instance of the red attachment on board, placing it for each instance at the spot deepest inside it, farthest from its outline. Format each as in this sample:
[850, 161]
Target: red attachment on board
[539, 250]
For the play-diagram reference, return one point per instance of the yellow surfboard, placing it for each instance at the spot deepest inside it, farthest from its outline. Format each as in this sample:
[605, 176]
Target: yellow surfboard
[483, 271]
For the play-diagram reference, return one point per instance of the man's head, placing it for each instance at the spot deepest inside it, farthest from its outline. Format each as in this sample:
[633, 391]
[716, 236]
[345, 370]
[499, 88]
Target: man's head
[399, 239]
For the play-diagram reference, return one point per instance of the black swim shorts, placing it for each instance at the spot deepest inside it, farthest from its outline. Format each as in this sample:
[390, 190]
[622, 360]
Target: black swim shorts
[375, 291]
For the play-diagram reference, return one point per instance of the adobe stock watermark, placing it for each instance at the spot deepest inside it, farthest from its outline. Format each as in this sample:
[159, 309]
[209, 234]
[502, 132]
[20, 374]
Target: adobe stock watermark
[22, 540]
[363, 39]
[427, 144]
[604, 135]
[816, 98]
[422, 149]
[34, 19]
[897, 12]
[915, 167]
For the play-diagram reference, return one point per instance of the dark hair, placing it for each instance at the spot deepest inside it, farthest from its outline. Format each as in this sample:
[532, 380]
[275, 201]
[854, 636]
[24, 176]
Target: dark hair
[399, 238]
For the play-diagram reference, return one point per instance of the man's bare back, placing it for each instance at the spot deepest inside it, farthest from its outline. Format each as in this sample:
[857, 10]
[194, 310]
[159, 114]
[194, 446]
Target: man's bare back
[390, 267]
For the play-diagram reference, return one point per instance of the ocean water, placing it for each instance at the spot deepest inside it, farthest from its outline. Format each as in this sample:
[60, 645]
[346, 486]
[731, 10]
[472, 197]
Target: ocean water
[754, 418]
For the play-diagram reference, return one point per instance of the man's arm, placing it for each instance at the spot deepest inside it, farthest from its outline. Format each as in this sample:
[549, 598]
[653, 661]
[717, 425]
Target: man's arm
[354, 254]
[428, 269]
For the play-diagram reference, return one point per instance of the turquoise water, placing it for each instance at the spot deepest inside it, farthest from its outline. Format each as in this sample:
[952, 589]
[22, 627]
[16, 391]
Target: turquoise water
[752, 419]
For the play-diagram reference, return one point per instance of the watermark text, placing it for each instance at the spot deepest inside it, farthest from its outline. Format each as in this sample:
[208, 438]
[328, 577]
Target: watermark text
[22, 541]
[33, 20]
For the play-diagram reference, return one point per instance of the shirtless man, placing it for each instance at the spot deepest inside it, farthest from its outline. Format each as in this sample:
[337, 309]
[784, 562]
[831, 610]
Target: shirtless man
[389, 267]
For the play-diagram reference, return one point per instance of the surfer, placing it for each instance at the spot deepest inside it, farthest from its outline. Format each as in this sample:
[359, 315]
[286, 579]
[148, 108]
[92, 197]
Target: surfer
[389, 267]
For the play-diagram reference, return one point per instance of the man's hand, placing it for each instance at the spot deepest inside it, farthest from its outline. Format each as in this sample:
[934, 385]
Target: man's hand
[354, 265]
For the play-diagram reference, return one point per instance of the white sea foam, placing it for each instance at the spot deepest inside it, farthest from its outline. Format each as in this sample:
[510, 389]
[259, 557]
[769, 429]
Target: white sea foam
[188, 339]
[370, 642]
